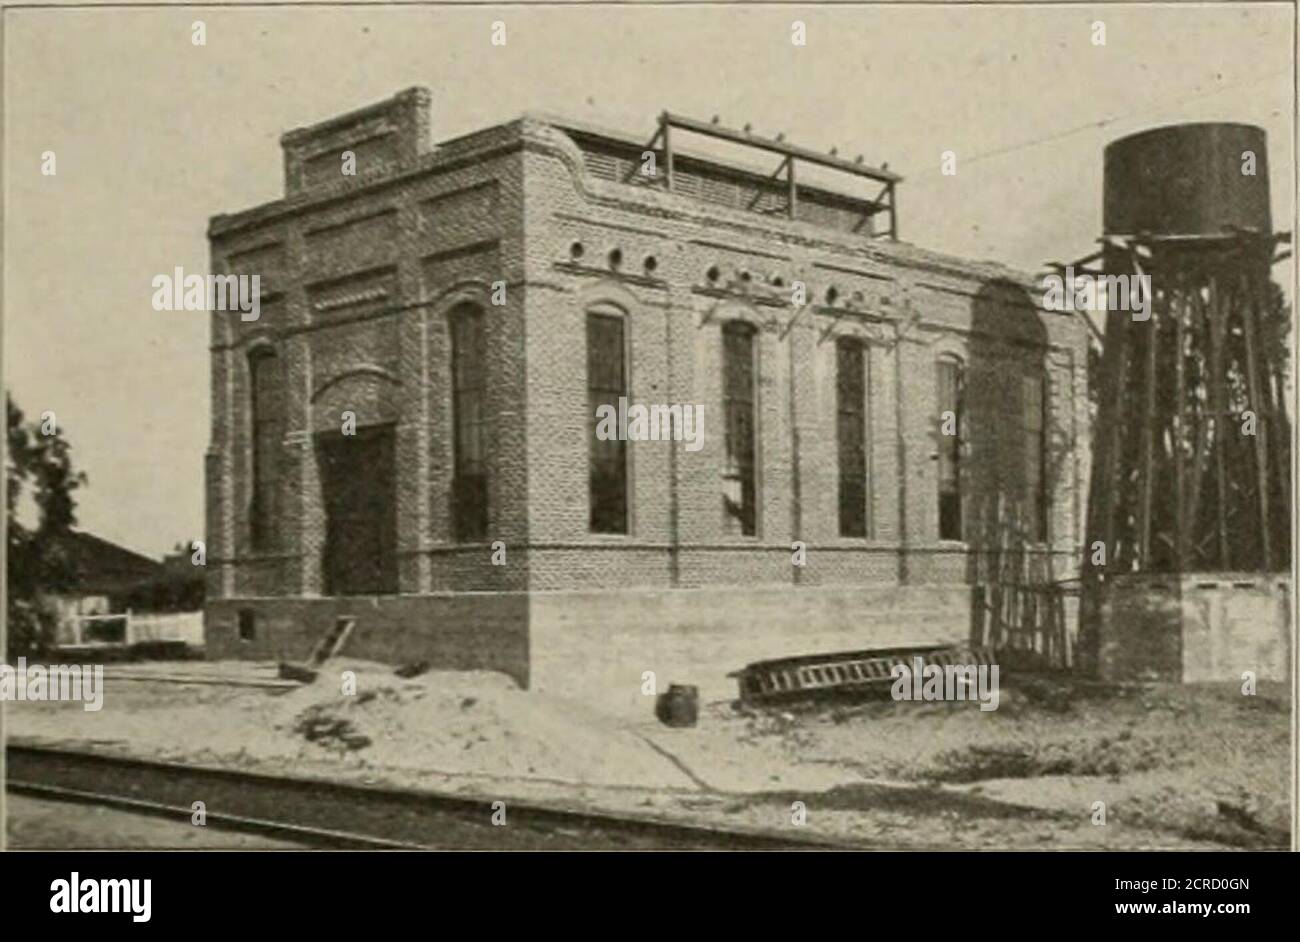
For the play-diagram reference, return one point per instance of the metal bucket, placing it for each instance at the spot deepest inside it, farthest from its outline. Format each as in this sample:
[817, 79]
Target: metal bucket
[680, 706]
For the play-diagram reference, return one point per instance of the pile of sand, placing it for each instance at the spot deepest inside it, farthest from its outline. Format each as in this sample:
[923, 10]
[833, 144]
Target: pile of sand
[459, 723]
[474, 722]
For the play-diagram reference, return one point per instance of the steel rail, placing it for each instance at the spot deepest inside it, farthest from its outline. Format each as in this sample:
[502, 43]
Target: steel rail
[337, 814]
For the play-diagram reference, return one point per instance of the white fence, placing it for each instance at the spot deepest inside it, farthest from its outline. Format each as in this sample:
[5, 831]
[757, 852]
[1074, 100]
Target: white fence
[130, 628]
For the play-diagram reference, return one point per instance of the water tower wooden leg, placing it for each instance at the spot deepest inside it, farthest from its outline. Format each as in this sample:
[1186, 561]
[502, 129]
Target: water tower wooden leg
[1250, 316]
[1219, 408]
[1178, 427]
[1106, 491]
[1148, 430]
[1201, 424]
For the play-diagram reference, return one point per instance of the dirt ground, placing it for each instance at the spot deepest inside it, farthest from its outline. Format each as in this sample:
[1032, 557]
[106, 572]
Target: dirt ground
[1175, 766]
[1193, 762]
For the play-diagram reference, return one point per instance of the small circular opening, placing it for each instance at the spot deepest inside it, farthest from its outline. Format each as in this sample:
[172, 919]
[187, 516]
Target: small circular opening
[575, 251]
[745, 276]
[651, 263]
[713, 274]
[831, 294]
[615, 258]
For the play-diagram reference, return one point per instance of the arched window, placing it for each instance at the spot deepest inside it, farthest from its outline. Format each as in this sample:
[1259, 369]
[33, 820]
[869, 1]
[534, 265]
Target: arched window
[851, 434]
[606, 383]
[266, 407]
[469, 416]
[952, 428]
[1034, 405]
[739, 498]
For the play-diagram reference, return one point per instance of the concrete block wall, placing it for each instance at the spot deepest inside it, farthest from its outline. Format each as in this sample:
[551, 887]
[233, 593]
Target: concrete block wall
[597, 646]
[1194, 627]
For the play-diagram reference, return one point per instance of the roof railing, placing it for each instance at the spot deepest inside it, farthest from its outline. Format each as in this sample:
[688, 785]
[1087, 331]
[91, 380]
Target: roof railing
[885, 201]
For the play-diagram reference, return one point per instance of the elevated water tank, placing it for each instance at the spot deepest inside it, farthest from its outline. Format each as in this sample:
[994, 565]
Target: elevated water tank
[1187, 179]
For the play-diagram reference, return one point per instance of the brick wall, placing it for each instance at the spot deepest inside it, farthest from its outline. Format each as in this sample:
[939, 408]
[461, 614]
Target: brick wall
[910, 307]
[455, 631]
[359, 275]
[361, 279]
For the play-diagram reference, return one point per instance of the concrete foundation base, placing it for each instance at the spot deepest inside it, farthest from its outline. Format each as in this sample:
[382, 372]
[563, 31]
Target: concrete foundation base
[455, 631]
[597, 646]
[1192, 627]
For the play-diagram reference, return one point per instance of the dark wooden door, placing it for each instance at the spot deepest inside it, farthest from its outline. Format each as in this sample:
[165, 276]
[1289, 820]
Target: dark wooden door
[358, 483]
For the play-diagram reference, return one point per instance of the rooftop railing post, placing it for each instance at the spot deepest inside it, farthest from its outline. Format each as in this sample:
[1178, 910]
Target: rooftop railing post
[665, 128]
[778, 145]
[794, 196]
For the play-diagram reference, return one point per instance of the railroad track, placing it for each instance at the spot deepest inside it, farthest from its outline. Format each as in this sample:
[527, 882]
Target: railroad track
[341, 815]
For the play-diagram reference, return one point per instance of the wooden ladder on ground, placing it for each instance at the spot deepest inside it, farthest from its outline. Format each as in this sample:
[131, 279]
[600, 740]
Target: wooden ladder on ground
[332, 642]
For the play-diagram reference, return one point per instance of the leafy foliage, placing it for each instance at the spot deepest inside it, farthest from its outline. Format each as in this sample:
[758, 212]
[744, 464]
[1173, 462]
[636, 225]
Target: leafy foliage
[40, 464]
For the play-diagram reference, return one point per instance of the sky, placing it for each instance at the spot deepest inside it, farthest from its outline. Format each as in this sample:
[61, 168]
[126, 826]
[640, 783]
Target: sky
[152, 135]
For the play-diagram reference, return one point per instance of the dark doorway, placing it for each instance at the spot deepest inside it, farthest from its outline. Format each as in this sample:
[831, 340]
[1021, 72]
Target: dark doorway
[359, 487]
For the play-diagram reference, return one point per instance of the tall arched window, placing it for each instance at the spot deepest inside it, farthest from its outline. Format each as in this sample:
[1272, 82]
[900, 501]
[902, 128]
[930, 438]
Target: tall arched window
[606, 383]
[469, 416]
[851, 434]
[1034, 405]
[266, 408]
[952, 428]
[739, 497]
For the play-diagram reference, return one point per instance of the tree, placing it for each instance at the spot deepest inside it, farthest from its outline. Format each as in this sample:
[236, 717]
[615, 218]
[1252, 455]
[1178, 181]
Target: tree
[37, 463]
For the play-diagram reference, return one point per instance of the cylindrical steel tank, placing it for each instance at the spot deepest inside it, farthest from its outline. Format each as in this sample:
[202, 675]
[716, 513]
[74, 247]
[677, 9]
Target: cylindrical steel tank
[1187, 179]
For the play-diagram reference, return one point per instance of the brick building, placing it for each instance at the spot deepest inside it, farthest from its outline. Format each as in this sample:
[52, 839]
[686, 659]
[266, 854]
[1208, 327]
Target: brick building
[470, 303]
